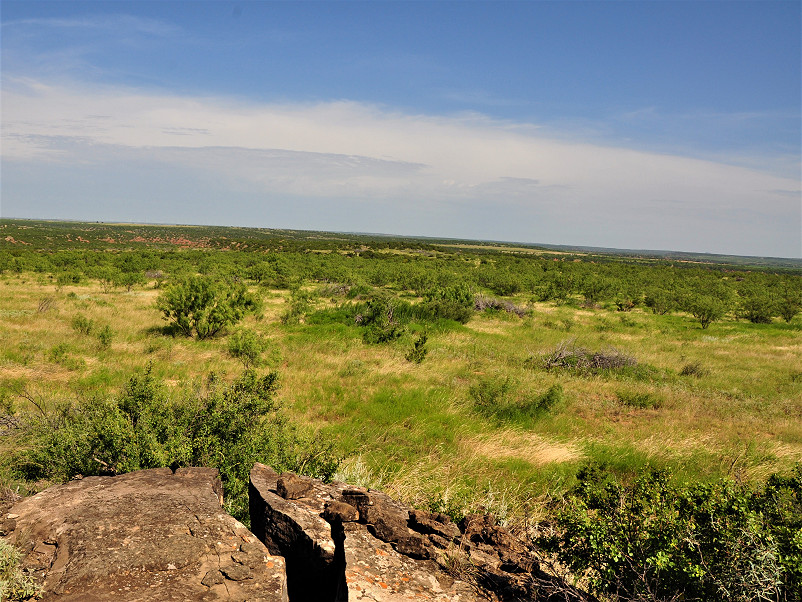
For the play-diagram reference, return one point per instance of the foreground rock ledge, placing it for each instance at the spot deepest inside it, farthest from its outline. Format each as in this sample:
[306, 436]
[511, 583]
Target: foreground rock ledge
[350, 543]
[147, 535]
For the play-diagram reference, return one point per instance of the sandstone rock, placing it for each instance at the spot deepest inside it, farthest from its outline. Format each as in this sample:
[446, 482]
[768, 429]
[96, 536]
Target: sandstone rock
[434, 523]
[340, 511]
[143, 536]
[292, 487]
[338, 561]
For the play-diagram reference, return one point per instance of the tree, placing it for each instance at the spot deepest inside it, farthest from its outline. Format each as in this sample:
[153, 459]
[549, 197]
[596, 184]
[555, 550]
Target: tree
[706, 309]
[200, 306]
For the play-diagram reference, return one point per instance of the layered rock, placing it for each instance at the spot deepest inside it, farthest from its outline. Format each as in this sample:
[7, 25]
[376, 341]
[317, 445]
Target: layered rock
[147, 535]
[349, 543]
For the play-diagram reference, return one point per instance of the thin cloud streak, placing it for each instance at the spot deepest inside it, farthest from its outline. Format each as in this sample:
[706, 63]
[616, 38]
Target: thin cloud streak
[464, 175]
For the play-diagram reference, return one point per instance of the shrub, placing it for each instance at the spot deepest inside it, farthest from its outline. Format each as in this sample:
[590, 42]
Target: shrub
[693, 369]
[247, 346]
[653, 540]
[639, 399]
[82, 324]
[229, 427]
[14, 585]
[380, 321]
[706, 309]
[491, 398]
[200, 306]
[489, 393]
[418, 351]
[568, 356]
[300, 302]
[104, 336]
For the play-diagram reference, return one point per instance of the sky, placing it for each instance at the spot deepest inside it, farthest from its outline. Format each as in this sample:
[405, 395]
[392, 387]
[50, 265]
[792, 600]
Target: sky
[627, 124]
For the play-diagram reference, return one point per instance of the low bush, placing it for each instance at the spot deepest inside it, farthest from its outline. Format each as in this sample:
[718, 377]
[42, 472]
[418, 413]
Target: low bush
[567, 356]
[247, 346]
[228, 427]
[492, 398]
[201, 306]
[693, 369]
[639, 399]
[104, 336]
[655, 540]
[82, 324]
[14, 584]
[418, 351]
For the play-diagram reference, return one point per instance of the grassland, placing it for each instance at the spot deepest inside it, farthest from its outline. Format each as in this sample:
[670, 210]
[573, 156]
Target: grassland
[725, 400]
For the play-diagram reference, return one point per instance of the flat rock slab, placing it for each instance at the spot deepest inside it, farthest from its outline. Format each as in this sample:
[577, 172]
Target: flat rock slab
[146, 535]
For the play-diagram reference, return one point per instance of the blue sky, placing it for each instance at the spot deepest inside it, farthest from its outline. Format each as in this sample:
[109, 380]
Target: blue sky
[661, 125]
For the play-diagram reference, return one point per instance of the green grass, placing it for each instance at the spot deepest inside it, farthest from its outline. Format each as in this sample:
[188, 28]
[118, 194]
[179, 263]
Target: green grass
[468, 426]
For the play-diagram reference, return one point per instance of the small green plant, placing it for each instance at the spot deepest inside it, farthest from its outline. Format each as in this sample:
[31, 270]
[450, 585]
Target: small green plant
[104, 336]
[693, 369]
[639, 399]
[706, 309]
[652, 539]
[14, 584]
[247, 346]
[82, 324]
[418, 351]
[490, 393]
[300, 302]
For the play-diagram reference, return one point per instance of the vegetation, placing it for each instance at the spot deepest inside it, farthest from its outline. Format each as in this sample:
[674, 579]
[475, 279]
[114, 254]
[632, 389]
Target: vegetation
[14, 585]
[454, 375]
[654, 540]
[229, 427]
[202, 306]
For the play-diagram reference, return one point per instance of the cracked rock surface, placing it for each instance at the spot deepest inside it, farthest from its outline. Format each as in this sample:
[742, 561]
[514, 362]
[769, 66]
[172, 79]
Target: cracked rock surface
[345, 543]
[147, 535]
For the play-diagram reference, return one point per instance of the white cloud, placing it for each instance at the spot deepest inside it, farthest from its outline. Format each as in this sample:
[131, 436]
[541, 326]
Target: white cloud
[449, 169]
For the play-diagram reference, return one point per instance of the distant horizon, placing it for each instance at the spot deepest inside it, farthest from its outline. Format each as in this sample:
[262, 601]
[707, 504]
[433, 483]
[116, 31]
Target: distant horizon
[578, 247]
[625, 125]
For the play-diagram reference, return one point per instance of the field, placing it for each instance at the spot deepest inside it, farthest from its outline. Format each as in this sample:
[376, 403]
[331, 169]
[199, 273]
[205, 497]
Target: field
[472, 425]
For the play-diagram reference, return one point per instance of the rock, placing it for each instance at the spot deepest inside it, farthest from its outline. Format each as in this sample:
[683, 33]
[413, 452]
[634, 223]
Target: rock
[292, 487]
[340, 511]
[434, 523]
[146, 535]
[344, 560]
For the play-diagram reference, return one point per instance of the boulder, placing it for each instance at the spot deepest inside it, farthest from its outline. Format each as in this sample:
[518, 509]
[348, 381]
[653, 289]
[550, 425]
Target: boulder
[146, 535]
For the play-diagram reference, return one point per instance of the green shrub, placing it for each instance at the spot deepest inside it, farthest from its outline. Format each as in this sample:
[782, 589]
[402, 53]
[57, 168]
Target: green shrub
[418, 351]
[654, 540]
[200, 306]
[104, 336]
[693, 369]
[14, 585]
[228, 427]
[382, 325]
[706, 309]
[247, 346]
[82, 324]
[491, 398]
[639, 399]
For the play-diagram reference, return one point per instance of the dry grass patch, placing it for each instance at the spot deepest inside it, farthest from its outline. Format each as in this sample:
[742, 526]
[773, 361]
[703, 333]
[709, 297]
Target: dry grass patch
[512, 443]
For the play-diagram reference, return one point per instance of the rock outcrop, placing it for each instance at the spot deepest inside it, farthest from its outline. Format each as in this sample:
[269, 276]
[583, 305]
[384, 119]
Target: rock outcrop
[156, 535]
[348, 543]
[143, 536]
